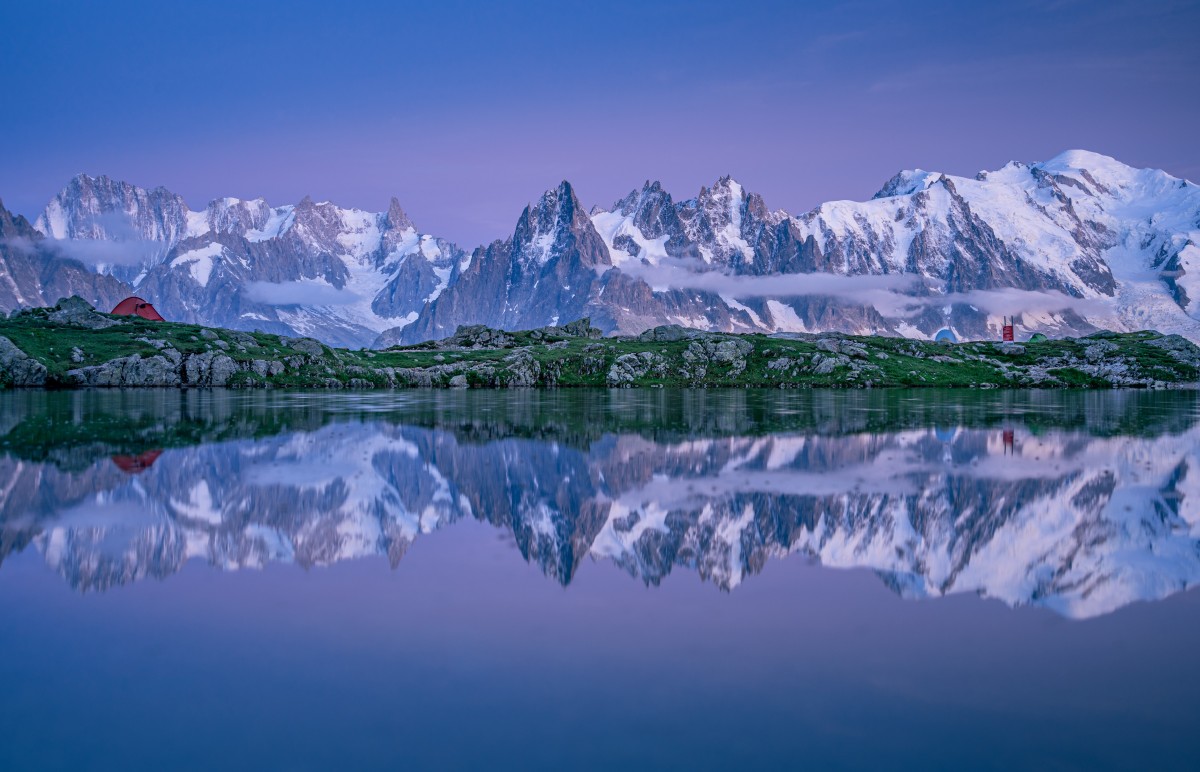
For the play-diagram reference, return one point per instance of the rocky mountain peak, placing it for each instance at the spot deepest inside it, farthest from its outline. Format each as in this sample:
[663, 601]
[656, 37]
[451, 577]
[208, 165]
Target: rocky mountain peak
[542, 229]
[652, 212]
[904, 183]
[397, 218]
[102, 209]
[232, 215]
[637, 198]
[15, 225]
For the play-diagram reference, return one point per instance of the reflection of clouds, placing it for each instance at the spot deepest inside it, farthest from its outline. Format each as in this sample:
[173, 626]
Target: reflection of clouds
[1072, 522]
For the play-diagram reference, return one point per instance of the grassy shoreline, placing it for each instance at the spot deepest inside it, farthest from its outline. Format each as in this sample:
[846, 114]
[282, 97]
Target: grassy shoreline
[72, 346]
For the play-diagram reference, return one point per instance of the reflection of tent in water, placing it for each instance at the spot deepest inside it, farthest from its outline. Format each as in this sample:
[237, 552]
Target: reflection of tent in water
[1037, 337]
[135, 306]
[946, 334]
[137, 464]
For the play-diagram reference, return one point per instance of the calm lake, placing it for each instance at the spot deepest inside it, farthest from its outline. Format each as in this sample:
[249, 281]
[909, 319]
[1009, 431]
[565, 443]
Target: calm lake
[599, 580]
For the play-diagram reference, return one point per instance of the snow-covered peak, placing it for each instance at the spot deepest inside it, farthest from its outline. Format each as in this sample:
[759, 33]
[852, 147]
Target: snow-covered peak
[651, 194]
[720, 220]
[104, 208]
[906, 183]
[233, 215]
[1096, 164]
[543, 228]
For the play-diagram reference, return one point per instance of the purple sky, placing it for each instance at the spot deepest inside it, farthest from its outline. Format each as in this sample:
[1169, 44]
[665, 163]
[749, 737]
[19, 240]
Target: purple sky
[466, 111]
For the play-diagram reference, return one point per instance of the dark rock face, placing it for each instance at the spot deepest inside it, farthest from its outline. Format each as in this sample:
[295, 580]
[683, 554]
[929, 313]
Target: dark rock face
[548, 271]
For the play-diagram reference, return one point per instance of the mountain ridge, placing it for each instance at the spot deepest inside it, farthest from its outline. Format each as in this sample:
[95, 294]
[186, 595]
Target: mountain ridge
[1070, 245]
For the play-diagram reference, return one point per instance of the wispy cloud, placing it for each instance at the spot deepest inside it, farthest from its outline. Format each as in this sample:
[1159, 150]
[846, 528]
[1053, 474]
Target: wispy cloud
[92, 252]
[887, 290]
[303, 292]
[895, 295]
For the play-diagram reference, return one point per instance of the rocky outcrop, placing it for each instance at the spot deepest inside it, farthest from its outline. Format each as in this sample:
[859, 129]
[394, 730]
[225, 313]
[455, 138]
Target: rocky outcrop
[17, 368]
[77, 312]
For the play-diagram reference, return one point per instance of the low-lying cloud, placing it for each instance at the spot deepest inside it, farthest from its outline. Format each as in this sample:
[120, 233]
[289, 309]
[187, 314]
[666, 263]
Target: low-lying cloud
[302, 292]
[91, 252]
[890, 294]
[1010, 300]
[880, 290]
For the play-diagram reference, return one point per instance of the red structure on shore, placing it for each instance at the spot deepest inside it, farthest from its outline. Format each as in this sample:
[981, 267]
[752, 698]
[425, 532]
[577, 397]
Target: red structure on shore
[137, 464]
[135, 306]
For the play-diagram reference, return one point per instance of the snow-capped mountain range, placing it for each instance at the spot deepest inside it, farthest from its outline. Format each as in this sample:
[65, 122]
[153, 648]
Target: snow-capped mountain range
[1071, 244]
[1076, 523]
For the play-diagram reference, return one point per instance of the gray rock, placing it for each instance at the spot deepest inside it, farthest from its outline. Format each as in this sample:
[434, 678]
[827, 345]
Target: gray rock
[222, 370]
[308, 346]
[77, 355]
[668, 333]
[458, 382]
[243, 339]
[523, 369]
[475, 336]
[629, 368]
[78, 312]
[197, 368]
[1099, 350]
[780, 363]
[129, 371]
[18, 368]
[824, 365]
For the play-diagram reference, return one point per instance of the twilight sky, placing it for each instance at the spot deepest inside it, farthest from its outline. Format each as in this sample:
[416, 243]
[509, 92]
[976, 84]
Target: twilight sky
[467, 110]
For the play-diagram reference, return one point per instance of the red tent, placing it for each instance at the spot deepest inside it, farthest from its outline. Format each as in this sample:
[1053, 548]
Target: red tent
[136, 306]
[137, 464]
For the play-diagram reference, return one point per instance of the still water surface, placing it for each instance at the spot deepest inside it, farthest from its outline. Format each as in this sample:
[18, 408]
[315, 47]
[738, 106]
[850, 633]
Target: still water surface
[595, 579]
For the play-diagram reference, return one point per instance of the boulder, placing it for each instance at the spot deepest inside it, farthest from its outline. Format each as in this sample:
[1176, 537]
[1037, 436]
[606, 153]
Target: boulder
[629, 368]
[523, 369]
[477, 336]
[129, 371]
[668, 333]
[80, 313]
[18, 368]
[309, 346]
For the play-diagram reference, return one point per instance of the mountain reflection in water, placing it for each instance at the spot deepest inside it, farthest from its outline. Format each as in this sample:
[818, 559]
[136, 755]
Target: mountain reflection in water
[1079, 502]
